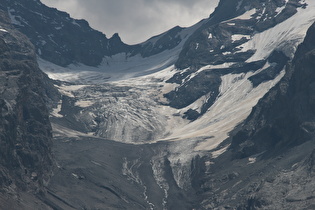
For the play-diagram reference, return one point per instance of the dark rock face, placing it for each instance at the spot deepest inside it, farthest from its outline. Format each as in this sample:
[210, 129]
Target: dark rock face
[25, 131]
[285, 116]
[59, 38]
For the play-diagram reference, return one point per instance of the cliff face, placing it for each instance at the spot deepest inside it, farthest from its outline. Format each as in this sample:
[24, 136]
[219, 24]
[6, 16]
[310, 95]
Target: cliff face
[25, 130]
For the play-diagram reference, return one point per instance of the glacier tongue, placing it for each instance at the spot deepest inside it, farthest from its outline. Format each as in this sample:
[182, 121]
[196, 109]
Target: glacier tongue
[123, 99]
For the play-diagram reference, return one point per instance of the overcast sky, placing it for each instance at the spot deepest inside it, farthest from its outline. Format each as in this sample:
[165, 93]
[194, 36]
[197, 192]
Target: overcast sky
[136, 20]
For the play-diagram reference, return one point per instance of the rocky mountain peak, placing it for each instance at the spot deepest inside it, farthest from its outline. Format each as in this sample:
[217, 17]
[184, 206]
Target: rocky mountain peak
[116, 37]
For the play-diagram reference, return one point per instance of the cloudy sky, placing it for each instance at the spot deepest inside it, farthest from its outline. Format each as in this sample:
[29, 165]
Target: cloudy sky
[136, 20]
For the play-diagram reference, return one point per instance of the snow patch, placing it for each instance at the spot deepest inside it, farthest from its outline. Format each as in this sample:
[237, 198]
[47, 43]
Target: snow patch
[246, 16]
[55, 112]
[219, 152]
[226, 53]
[251, 160]
[197, 46]
[220, 66]
[237, 37]
[280, 9]
[231, 24]
[84, 104]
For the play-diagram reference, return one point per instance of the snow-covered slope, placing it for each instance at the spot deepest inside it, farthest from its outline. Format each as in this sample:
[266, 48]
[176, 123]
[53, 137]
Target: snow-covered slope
[121, 66]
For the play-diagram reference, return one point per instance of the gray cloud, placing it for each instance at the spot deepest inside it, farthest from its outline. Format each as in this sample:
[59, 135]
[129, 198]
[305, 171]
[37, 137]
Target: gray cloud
[136, 20]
